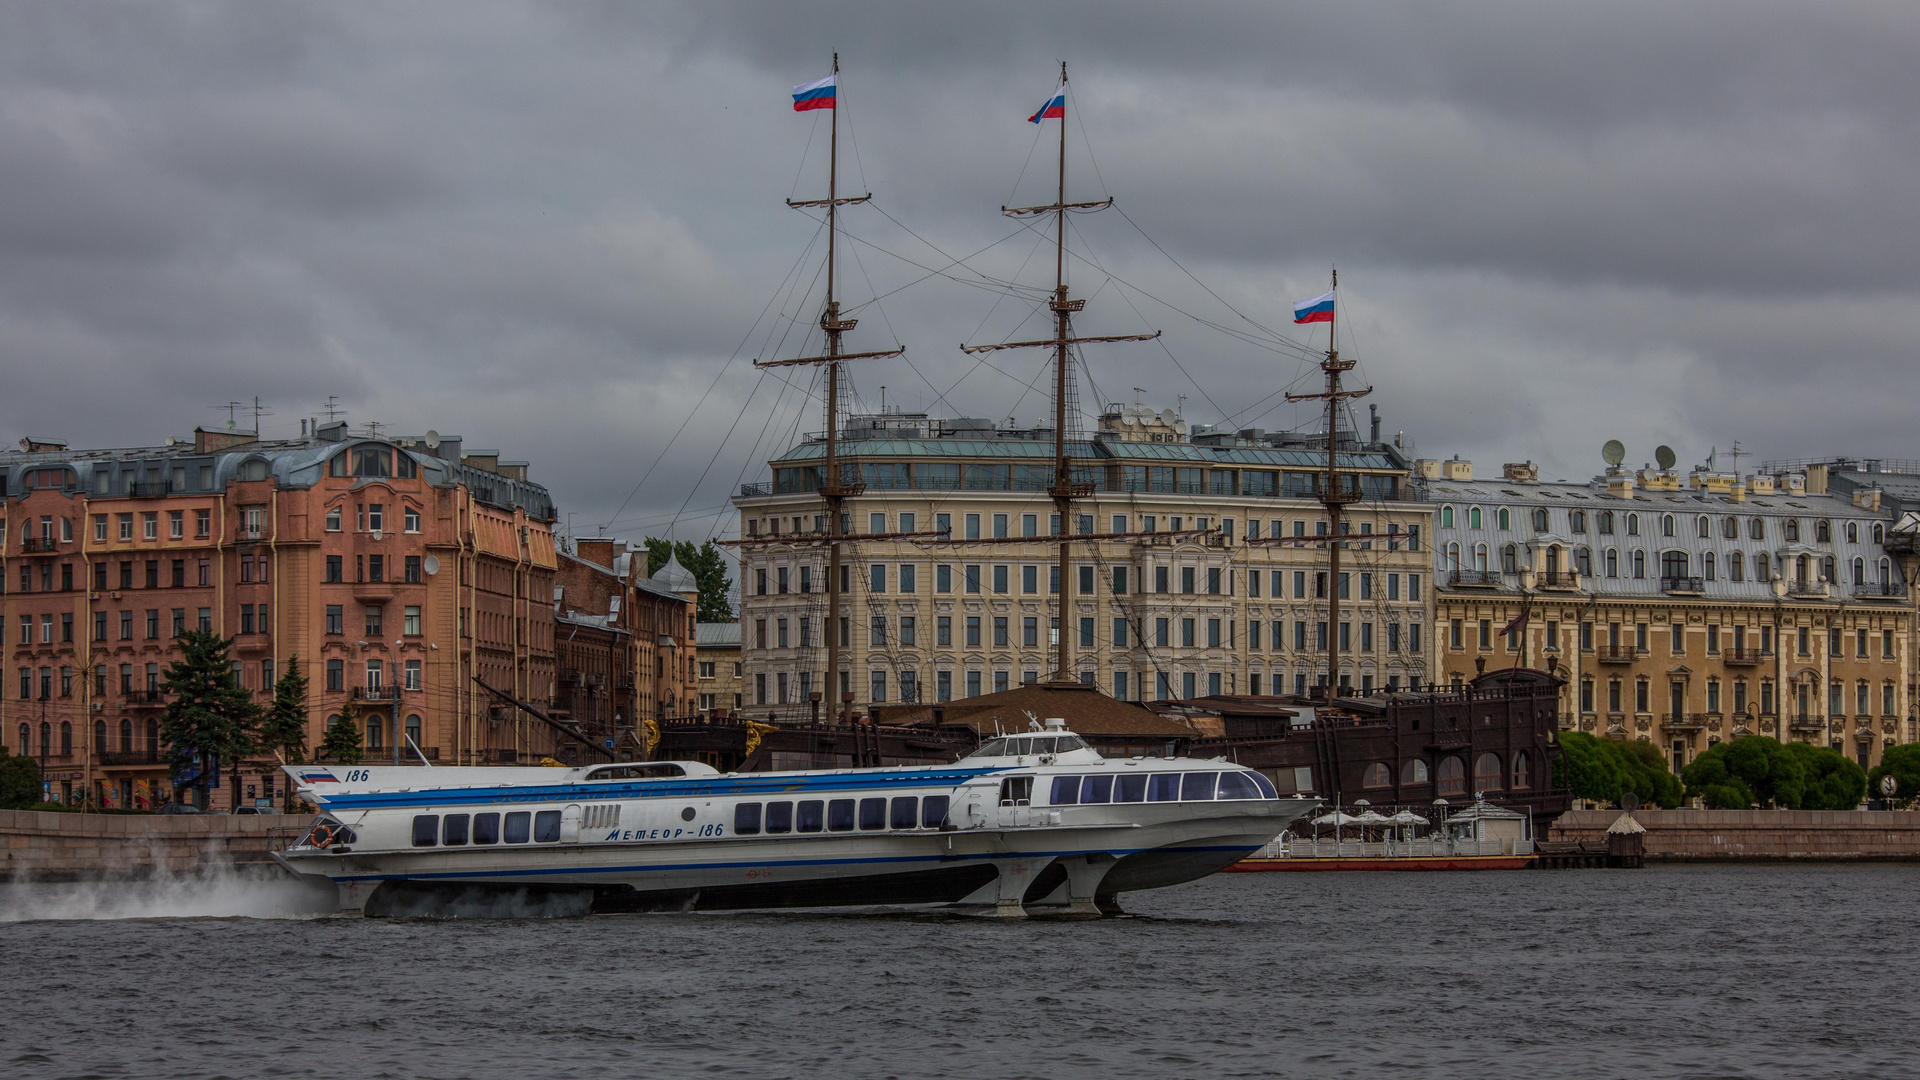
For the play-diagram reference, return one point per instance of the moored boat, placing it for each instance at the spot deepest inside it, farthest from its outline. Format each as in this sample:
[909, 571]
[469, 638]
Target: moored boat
[1033, 821]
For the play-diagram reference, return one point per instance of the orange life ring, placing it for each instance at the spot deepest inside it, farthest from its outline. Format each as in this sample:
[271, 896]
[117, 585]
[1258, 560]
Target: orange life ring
[322, 835]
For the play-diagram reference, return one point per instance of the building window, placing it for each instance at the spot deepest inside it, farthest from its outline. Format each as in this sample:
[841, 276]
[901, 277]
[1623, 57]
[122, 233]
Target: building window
[1452, 777]
[336, 675]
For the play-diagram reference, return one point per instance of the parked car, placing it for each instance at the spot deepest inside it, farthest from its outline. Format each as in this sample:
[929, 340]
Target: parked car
[252, 810]
[177, 808]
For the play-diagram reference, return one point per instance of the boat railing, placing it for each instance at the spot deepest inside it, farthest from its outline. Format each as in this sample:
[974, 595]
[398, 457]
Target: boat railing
[1296, 847]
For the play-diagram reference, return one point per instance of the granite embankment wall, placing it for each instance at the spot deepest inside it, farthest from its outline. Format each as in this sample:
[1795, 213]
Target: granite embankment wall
[52, 846]
[1726, 835]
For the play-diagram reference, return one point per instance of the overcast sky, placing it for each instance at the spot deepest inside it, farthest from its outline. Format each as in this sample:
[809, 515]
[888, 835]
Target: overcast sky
[558, 229]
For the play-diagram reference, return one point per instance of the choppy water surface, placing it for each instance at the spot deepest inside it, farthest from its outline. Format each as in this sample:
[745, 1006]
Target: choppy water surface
[1668, 972]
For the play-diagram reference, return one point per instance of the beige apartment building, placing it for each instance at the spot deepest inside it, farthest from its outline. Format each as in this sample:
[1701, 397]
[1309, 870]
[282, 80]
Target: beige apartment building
[1683, 612]
[1224, 589]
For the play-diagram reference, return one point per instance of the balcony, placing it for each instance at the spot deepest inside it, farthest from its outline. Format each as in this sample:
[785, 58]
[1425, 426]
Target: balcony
[1689, 586]
[1741, 656]
[1807, 724]
[1683, 722]
[1559, 579]
[1616, 654]
[149, 489]
[146, 699]
[374, 695]
[1474, 579]
[1880, 590]
[751, 491]
[34, 545]
[131, 757]
[1808, 589]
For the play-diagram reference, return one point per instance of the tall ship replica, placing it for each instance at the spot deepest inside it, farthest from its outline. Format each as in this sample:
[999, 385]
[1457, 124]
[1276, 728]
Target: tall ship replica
[1029, 821]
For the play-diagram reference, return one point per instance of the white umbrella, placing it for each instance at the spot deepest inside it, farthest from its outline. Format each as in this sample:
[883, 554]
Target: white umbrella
[1407, 817]
[1335, 819]
[1372, 818]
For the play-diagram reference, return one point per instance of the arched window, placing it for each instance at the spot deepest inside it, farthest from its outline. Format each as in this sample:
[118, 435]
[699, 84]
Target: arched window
[1453, 556]
[1706, 527]
[1640, 564]
[1377, 776]
[1792, 529]
[376, 729]
[1706, 566]
[1473, 517]
[1577, 520]
[1666, 524]
[1859, 571]
[1823, 531]
[66, 738]
[1826, 569]
[1540, 519]
[254, 469]
[1879, 534]
[1606, 523]
[1414, 772]
[126, 736]
[1736, 567]
[1583, 561]
[153, 736]
[1886, 572]
[1509, 559]
[1522, 771]
[46, 738]
[1730, 528]
[100, 736]
[413, 728]
[26, 741]
[1760, 569]
[1757, 529]
[1480, 557]
[1453, 777]
[1613, 563]
[1487, 773]
[1673, 564]
[1633, 524]
[1446, 517]
[1853, 532]
[1504, 518]
[1800, 567]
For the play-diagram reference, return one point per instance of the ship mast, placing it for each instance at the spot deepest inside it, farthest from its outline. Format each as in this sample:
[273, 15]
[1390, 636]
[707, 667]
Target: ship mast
[1333, 495]
[834, 490]
[1063, 490]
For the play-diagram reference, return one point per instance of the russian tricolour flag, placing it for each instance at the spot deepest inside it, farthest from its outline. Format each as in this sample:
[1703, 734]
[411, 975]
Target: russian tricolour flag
[1054, 109]
[817, 94]
[1319, 309]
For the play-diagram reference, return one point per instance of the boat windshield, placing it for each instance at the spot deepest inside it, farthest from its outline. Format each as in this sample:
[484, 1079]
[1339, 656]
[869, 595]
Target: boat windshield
[1026, 745]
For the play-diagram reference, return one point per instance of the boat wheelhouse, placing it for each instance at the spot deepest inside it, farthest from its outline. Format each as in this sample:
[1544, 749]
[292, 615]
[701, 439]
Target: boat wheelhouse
[1035, 821]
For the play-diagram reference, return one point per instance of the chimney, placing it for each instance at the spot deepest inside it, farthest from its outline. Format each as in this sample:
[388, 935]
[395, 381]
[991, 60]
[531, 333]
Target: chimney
[1374, 410]
[597, 550]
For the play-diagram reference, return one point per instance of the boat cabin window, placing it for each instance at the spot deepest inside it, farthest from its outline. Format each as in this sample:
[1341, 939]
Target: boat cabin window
[486, 828]
[546, 827]
[1267, 790]
[1066, 790]
[1024, 745]
[840, 815]
[873, 814]
[1197, 786]
[906, 813]
[426, 830]
[454, 831]
[1237, 785]
[1164, 787]
[519, 827]
[991, 748]
[933, 811]
[812, 816]
[1016, 791]
[638, 770]
[1130, 788]
[746, 819]
[1096, 789]
[779, 817]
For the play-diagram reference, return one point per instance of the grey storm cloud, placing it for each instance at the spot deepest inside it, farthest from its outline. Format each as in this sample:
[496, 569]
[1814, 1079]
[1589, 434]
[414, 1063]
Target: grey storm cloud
[559, 229]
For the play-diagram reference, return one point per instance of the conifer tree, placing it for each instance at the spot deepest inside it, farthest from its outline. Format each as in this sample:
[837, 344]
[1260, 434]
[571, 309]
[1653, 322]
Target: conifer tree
[342, 741]
[211, 716]
[285, 725]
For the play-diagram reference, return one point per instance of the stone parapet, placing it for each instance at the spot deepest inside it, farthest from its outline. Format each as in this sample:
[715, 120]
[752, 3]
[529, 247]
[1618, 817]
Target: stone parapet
[1733, 835]
[43, 845]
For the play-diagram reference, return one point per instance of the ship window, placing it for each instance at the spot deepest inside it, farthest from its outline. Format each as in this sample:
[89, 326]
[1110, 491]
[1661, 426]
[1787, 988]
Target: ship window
[454, 831]
[1131, 788]
[1066, 790]
[840, 815]
[906, 811]
[546, 827]
[873, 814]
[1413, 772]
[1267, 790]
[811, 816]
[991, 748]
[1238, 785]
[779, 817]
[1096, 789]
[1453, 777]
[1377, 776]
[746, 819]
[1197, 786]
[933, 811]
[486, 828]
[426, 830]
[1164, 788]
[517, 831]
[1486, 772]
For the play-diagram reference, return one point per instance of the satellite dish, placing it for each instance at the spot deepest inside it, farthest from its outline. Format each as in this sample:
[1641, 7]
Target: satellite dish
[377, 534]
[1180, 427]
[1130, 415]
[1664, 455]
[1614, 452]
[431, 564]
[1168, 416]
[431, 439]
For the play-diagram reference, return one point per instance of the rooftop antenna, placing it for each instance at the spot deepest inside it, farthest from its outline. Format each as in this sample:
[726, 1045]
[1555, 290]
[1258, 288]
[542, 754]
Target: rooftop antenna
[332, 408]
[373, 428]
[259, 411]
[1180, 409]
[1736, 454]
[233, 409]
[1138, 393]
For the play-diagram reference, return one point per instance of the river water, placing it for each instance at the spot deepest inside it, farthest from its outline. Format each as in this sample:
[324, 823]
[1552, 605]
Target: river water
[1679, 971]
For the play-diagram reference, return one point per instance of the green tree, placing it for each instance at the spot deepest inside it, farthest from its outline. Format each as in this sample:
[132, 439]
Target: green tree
[285, 726]
[1589, 768]
[1645, 771]
[211, 716]
[1709, 780]
[1903, 764]
[20, 785]
[1833, 781]
[342, 741]
[709, 569]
